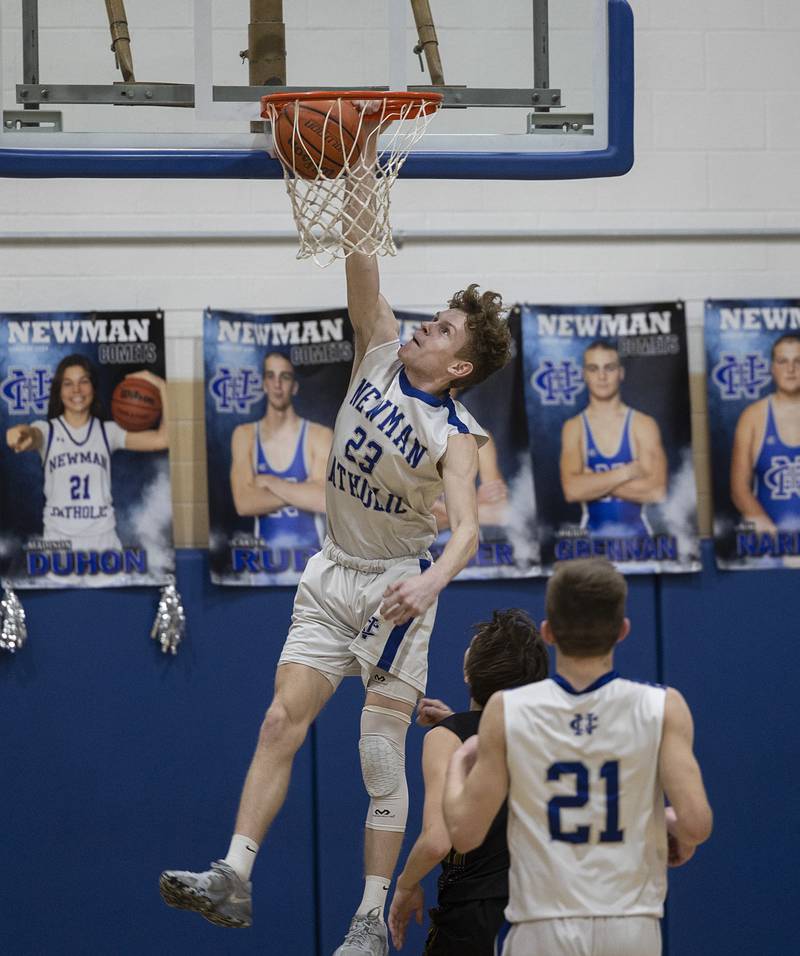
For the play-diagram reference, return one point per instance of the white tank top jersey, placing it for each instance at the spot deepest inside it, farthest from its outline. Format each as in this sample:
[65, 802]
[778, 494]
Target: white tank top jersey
[77, 477]
[382, 476]
[586, 827]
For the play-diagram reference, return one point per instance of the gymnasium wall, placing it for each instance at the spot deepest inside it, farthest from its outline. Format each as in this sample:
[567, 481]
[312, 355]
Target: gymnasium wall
[115, 762]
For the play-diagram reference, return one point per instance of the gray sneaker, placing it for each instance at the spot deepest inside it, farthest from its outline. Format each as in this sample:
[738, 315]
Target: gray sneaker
[218, 894]
[366, 937]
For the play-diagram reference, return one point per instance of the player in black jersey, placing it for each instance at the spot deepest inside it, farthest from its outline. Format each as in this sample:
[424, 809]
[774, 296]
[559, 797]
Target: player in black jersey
[473, 887]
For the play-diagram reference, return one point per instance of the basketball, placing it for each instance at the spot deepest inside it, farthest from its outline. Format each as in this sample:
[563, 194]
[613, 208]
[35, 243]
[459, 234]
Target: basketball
[135, 404]
[326, 137]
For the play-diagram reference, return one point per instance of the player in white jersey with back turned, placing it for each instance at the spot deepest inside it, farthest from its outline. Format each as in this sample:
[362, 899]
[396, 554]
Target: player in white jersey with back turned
[366, 603]
[585, 759]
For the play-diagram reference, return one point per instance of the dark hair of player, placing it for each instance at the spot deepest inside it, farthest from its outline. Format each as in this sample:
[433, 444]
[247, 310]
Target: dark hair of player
[55, 407]
[505, 652]
[585, 606]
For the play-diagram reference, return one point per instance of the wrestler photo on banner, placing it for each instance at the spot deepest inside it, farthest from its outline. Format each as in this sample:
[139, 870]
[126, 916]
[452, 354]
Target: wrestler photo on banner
[607, 398]
[753, 362]
[85, 461]
[273, 385]
[506, 508]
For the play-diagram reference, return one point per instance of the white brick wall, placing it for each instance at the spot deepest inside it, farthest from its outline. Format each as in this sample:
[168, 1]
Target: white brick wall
[718, 147]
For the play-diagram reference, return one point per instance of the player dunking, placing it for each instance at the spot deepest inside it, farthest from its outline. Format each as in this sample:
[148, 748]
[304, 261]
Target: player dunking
[585, 759]
[612, 459]
[76, 445]
[278, 465]
[366, 603]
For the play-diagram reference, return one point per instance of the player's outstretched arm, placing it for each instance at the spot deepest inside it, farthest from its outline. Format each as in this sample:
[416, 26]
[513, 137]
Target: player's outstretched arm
[248, 499]
[432, 844]
[577, 482]
[24, 438]
[372, 319]
[308, 495]
[153, 439]
[743, 458]
[477, 780]
[651, 484]
[689, 820]
[413, 596]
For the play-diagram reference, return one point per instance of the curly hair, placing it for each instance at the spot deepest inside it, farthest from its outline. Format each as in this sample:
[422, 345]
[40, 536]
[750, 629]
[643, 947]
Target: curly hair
[488, 337]
[505, 652]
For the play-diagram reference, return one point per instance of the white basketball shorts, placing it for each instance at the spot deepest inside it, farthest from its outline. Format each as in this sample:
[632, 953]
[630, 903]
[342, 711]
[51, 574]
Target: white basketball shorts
[337, 628]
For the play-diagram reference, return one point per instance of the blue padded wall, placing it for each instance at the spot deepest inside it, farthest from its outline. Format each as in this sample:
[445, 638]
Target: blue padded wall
[116, 762]
[729, 647]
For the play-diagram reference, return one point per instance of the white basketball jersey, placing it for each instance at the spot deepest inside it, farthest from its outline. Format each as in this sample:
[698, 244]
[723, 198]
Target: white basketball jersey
[382, 474]
[77, 477]
[586, 828]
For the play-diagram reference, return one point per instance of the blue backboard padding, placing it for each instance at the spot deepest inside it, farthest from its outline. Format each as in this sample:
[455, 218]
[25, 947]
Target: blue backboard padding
[615, 160]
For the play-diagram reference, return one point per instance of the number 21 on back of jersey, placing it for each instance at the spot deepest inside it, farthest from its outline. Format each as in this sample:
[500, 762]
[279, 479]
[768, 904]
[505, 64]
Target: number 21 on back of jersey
[607, 778]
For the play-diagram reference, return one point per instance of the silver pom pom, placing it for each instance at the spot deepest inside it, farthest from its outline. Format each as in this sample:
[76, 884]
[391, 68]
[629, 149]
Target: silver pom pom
[170, 623]
[14, 631]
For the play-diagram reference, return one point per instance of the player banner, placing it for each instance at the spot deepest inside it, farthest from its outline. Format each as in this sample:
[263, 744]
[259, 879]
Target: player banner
[273, 386]
[753, 363]
[506, 511]
[607, 397]
[86, 498]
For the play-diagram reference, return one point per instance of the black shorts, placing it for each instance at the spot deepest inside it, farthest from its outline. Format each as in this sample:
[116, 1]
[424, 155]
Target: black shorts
[465, 929]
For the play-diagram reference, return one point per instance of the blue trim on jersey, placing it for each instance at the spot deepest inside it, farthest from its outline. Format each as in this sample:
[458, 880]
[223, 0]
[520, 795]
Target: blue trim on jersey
[72, 437]
[408, 389]
[434, 400]
[395, 639]
[105, 437]
[453, 419]
[49, 439]
[502, 935]
[565, 684]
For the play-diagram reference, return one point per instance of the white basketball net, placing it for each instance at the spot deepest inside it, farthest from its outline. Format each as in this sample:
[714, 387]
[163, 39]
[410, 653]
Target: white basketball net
[349, 212]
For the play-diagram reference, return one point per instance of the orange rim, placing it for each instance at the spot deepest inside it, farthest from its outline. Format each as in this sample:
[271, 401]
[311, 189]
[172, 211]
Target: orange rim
[399, 105]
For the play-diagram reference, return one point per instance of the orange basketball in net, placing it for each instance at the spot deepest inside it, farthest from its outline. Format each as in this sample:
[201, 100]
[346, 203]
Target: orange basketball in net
[318, 138]
[136, 404]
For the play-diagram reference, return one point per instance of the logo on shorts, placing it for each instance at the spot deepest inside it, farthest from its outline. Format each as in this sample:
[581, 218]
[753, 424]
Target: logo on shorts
[382, 813]
[372, 626]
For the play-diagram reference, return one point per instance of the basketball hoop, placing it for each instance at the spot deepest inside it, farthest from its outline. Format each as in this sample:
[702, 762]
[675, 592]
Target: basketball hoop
[339, 204]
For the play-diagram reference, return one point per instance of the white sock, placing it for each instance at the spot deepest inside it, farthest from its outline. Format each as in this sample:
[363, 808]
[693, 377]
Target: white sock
[242, 855]
[376, 889]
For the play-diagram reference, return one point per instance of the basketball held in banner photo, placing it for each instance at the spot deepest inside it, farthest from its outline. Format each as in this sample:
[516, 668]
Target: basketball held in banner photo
[136, 404]
[322, 137]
